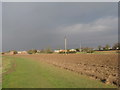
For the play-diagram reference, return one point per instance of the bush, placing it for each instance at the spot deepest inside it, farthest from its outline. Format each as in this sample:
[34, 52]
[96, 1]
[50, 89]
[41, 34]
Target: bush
[116, 46]
[71, 51]
[61, 52]
[32, 51]
[68, 51]
[2, 53]
[88, 50]
[12, 52]
[46, 51]
[15, 52]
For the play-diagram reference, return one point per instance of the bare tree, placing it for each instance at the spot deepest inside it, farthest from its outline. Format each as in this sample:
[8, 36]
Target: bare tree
[116, 46]
[100, 47]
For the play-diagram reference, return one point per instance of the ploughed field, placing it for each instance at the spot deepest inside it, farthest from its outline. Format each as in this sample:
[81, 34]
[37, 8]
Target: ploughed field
[60, 71]
[103, 67]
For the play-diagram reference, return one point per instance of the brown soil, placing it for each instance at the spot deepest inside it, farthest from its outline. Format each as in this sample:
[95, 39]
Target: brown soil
[103, 67]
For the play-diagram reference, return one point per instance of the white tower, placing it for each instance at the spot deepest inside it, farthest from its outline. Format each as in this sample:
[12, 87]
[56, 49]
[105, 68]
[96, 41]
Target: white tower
[80, 47]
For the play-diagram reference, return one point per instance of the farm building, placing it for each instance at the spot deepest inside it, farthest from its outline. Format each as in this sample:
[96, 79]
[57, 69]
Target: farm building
[63, 50]
[22, 52]
[60, 51]
[56, 51]
[12, 52]
[72, 50]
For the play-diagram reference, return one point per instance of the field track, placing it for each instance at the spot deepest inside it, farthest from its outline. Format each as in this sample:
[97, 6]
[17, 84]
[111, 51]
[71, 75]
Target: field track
[32, 72]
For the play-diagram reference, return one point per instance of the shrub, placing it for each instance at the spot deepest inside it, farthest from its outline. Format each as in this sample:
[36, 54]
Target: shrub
[71, 51]
[2, 53]
[46, 51]
[116, 46]
[88, 50]
[32, 51]
[15, 52]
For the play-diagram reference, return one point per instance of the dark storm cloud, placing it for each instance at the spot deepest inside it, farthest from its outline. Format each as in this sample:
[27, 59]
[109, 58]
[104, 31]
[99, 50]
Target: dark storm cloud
[0, 26]
[42, 25]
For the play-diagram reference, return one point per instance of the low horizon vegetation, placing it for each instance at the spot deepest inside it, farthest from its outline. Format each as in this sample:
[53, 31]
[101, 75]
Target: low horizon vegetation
[107, 47]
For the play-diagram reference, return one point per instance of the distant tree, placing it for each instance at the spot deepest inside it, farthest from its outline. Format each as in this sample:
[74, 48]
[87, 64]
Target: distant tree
[12, 51]
[77, 49]
[116, 46]
[99, 47]
[15, 52]
[88, 50]
[32, 51]
[2, 53]
[7, 51]
[48, 50]
[73, 51]
[104, 49]
[42, 51]
[107, 47]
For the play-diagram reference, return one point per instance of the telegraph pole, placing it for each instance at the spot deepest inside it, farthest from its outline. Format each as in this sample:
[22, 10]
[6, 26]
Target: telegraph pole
[80, 47]
[65, 45]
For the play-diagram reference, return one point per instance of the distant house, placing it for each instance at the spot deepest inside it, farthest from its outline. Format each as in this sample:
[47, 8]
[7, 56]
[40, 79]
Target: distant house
[12, 52]
[56, 51]
[117, 48]
[62, 51]
[38, 51]
[22, 52]
[72, 50]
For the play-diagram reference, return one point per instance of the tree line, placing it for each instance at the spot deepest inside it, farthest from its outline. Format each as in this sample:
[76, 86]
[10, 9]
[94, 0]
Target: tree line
[107, 47]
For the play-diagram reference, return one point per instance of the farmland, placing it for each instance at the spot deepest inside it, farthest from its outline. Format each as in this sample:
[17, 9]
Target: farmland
[60, 71]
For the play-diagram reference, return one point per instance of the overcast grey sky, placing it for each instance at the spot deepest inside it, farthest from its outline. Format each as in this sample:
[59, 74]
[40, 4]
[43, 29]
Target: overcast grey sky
[38, 25]
[0, 26]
